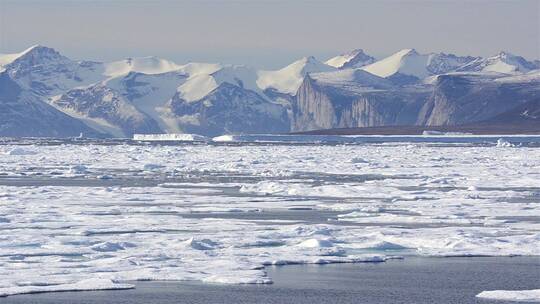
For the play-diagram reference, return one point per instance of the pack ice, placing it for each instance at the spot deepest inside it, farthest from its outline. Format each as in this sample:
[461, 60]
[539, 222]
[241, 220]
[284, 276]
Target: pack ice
[93, 216]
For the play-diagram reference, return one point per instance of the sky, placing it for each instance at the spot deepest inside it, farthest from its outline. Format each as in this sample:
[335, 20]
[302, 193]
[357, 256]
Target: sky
[268, 34]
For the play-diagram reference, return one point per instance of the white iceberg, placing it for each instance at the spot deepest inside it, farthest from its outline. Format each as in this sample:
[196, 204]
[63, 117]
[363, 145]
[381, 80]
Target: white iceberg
[170, 137]
[532, 295]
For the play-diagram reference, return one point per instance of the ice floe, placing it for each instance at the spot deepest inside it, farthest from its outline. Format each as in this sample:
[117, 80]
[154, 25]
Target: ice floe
[512, 295]
[91, 216]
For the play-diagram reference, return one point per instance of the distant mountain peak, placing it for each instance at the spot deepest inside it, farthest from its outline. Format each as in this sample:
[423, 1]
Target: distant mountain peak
[145, 65]
[504, 54]
[288, 79]
[503, 62]
[35, 55]
[411, 63]
[354, 59]
[405, 61]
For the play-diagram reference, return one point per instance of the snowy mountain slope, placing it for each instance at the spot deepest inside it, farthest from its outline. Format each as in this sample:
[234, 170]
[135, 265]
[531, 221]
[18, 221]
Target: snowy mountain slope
[409, 62]
[148, 94]
[441, 63]
[9, 58]
[201, 84]
[46, 72]
[354, 59]
[288, 79]
[145, 65]
[107, 109]
[24, 114]
[503, 62]
[349, 78]
[406, 61]
[229, 108]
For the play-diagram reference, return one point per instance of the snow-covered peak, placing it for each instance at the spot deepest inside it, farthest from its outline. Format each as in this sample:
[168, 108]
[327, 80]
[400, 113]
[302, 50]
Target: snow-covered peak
[197, 68]
[204, 80]
[503, 62]
[406, 61]
[350, 78]
[239, 75]
[354, 59]
[288, 79]
[146, 65]
[441, 63]
[411, 63]
[34, 55]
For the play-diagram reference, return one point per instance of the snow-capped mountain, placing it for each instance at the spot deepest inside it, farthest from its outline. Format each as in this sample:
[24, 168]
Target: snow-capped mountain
[354, 59]
[22, 113]
[46, 72]
[501, 63]
[44, 93]
[409, 62]
[105, 110]
[146, 65]
[288, 79]
[229, 108]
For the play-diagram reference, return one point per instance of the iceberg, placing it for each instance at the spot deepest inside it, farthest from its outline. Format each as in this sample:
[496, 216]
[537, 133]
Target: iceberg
[170, 137]
[512, 295]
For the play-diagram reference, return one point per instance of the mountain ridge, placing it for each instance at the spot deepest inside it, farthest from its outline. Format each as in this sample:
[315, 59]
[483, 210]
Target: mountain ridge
[148, 94]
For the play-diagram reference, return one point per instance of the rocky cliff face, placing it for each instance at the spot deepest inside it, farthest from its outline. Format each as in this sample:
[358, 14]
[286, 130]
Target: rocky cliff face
[460, 99]
[320, 105]
[452, 99]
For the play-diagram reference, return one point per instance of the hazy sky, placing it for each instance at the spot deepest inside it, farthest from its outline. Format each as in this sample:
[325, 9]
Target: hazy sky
[268, 33]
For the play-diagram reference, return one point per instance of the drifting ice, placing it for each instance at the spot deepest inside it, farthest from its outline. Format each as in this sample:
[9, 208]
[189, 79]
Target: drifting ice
[169, 137]
[512, 295]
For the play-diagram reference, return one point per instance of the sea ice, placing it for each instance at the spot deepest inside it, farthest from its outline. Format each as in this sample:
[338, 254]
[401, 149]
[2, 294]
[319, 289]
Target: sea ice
[502, 143]
[102, 214]
[512, 295]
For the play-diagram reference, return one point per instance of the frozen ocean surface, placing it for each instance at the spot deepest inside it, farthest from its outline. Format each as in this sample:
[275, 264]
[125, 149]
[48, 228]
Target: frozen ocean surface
[89, 215]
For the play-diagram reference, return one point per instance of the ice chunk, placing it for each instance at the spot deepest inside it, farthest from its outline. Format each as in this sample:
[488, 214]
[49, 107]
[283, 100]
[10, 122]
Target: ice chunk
[512, 295]
[316, 243]
[502, 143]
[21, 151]
[112, 246]
[152, 167]
[82, 285]
[387, 246]
[169, 137]
[204, 244]
[78, 169]
[432, 132]
[358, 160]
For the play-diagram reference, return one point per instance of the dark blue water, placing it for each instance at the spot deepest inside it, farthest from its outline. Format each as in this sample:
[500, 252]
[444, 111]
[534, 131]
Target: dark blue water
[412, 280]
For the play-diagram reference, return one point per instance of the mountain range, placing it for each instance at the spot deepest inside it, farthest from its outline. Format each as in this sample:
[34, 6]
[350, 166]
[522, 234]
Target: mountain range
[43, 93]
